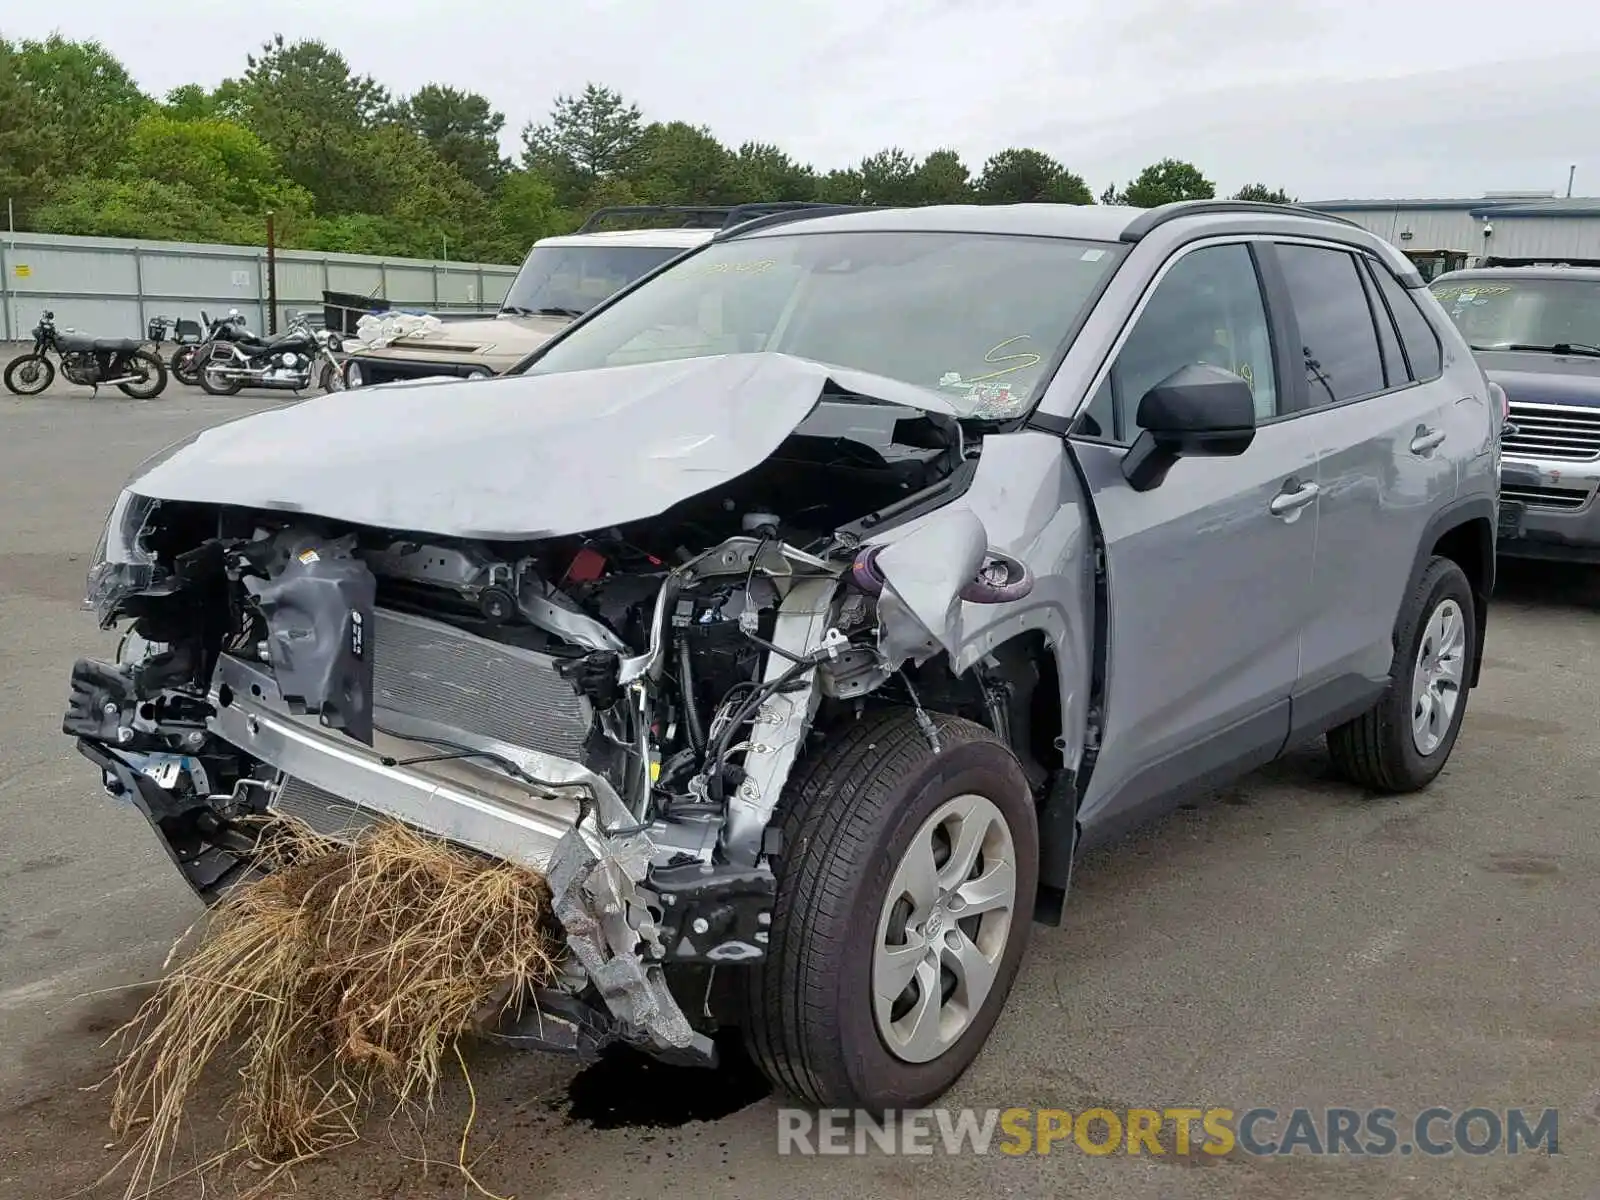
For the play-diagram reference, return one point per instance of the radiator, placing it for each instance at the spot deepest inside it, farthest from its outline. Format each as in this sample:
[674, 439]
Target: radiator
[431, 670]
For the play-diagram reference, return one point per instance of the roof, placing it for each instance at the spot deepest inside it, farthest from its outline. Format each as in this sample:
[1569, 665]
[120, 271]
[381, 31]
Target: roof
[1092, 222]
[1587, 274]
[677, 239]
[1088, 222]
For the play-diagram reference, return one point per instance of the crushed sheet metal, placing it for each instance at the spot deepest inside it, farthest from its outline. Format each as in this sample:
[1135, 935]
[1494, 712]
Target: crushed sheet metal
[923, 574]
[593, 883]
[517, 457]
[782, 721]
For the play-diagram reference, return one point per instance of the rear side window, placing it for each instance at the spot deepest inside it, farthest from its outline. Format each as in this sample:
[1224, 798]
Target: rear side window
[1394, 359]
[1421, 342]
[1339, 341]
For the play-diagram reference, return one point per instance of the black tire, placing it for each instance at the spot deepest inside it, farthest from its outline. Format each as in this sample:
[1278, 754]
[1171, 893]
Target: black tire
[155, 376]
[182, 365]
[213, 385]
[847, 816]
[1376, 750]
[331, 378]
[43, 374]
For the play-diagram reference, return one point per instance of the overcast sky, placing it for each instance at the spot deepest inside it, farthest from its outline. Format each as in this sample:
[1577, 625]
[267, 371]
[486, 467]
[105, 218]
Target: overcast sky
[1355, 98]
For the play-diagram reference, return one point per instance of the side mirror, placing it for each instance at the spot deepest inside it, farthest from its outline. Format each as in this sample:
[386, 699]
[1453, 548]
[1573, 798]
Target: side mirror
[1197, 411]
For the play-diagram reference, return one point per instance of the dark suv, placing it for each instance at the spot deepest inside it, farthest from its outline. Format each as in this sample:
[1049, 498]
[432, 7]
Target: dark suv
[1536, 330]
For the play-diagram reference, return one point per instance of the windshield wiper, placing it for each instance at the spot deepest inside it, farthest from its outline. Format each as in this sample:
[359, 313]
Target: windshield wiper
[554, 310]
[517, 310]
[1579, 348]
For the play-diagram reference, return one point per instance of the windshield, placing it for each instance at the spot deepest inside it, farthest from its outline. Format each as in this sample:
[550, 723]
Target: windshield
[975, 317]
[1496, 314]
[570, 280]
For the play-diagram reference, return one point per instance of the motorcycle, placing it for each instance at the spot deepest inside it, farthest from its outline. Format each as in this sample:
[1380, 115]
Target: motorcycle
[288, 362]
[88, 362]
[186, 360]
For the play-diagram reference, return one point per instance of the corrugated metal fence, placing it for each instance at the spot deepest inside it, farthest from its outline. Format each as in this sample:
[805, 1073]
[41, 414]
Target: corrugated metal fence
[111, 287]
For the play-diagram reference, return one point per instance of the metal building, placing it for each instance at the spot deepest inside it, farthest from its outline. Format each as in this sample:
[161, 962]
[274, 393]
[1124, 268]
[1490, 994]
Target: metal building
[1504, 228]
[111, 287]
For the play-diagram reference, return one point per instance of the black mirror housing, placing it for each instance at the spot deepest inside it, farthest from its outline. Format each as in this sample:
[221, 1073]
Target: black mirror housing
[1197, 411]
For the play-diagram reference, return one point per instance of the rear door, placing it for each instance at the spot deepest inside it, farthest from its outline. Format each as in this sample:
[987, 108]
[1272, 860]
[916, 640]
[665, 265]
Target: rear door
[1383, 421]
[1208, 585]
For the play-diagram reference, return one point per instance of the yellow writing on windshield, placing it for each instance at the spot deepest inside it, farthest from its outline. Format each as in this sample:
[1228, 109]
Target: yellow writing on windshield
[750, 267]
[1455, 290]
[1020, 361]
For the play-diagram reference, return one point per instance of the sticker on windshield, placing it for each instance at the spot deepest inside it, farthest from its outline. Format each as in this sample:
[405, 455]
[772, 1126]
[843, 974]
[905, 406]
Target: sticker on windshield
[993, 400]
[1093, 255]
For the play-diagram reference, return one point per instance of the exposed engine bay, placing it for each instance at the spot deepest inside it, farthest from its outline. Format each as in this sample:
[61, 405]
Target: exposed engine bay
[619, 708]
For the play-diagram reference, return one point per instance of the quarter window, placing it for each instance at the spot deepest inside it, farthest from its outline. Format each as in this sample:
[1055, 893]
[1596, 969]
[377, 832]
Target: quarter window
[1206, 309]
[1418, 336]
[1339, 343]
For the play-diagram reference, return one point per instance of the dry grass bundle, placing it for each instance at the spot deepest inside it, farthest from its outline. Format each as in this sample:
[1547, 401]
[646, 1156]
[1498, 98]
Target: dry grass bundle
[347, 972]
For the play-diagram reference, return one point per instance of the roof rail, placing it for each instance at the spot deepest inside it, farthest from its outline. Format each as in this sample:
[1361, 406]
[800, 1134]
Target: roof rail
[1155, 217]
[758, 216]
[691, 216]
[702, 216]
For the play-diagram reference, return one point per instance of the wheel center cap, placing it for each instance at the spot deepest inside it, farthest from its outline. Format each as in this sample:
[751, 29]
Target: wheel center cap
[935, 923]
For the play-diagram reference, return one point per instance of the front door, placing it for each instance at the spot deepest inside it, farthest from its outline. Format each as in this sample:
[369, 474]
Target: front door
[1208, 573]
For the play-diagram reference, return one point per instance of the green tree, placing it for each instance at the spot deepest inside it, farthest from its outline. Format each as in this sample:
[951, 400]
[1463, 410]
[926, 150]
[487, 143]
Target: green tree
[190, 102]
[1261, 192]
[761, 171]
[85, 96]
[942, 178]
[201, 180]
[1024, 176]
[1168, 182]
[28, 147]
[888, 177]
[302, 99]
[842, 187]
[525, 210]
[678, 163]
[589, 138]
[461, 127]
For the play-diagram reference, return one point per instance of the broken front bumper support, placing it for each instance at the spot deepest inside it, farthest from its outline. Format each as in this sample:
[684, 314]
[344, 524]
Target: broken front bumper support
[553, 825]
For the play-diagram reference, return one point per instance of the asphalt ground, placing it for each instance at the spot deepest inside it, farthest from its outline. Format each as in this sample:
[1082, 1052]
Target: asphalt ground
[1286, 942]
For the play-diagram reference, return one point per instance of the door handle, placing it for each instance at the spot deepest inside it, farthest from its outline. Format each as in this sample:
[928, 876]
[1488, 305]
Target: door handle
[1427, 440]
[1287, 504]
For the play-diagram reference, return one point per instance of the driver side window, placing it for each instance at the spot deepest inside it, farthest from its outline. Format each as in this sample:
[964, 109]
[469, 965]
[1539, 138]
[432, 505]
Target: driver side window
[1206, 309]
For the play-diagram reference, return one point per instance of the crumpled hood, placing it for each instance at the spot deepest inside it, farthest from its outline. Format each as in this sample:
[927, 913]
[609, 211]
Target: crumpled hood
[518, 457]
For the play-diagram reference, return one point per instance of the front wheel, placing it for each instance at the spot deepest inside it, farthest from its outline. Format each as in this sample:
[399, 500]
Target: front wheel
[183, 366]
[1403, 741]
[905, 893]
[332, 379]
[152, 372]
[29, 375]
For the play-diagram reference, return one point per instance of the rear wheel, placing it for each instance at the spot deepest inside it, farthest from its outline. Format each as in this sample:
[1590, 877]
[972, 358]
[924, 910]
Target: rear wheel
[1404, 740]
[29, 375]
[905, 893]
[153, 373]
[213, 377]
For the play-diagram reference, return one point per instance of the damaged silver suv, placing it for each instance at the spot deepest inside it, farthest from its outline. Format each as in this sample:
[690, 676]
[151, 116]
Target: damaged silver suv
[804, 609]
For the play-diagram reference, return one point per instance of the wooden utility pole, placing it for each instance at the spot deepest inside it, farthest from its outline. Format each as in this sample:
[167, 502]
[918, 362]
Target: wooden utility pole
[272, 277]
